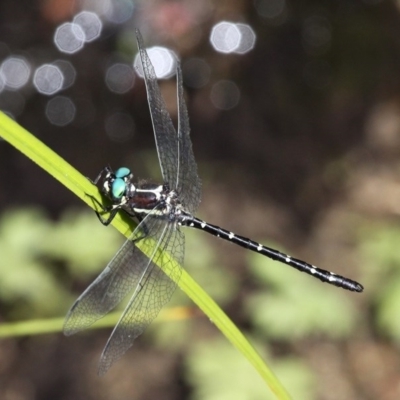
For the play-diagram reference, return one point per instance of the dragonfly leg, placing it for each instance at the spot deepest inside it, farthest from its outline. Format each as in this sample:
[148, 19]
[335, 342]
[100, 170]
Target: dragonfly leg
[106, 170]
[107, 221]
[143, 225]
[112, 210]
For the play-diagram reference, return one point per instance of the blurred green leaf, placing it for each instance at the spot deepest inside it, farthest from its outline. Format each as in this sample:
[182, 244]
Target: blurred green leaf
[84, 242]
[216, 372]
[203, 264]
[51, 325]
[173, 336]
[300, 378]
[379, 253]
[26, 283]
[379, 243]
[388, 310]
[30, 245]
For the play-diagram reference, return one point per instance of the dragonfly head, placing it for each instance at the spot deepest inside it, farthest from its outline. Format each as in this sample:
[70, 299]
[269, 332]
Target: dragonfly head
[117, 185]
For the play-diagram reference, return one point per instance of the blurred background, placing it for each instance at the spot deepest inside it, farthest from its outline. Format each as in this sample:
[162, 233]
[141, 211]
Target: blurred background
[295, 121]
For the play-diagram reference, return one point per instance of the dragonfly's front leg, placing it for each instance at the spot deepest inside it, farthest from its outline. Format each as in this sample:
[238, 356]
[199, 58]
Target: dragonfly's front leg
[111, 210]
[107, 170]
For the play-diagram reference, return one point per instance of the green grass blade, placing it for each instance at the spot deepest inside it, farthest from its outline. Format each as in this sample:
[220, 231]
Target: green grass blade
[52, 325]
[82, 187]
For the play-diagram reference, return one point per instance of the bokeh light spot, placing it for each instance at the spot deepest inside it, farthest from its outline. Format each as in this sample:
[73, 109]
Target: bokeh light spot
[99, 7]
[229, 37]
[120, 78]
[48, 79]
[247, 39]
[163, 60]
[68, 71]
[15, 72]
[69, 38]
[270, 8]
[225, 95]
[225, 37]
[60, 110]
[119, 11]
[316, 34]
[90, 24]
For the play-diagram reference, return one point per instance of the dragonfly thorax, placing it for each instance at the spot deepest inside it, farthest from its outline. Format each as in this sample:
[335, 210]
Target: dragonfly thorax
[156, 200]
[141, 198]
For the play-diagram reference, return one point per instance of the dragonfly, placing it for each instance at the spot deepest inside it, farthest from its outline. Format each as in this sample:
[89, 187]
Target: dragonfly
[149, 264]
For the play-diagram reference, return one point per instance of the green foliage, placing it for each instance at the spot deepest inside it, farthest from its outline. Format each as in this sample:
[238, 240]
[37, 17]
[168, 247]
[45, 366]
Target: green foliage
[380, 256]
[83, 242]
[217, 372]
[170, 335]
[26, 284]
[388, 310]
[380, 260]
[36, 250]
[205, 267]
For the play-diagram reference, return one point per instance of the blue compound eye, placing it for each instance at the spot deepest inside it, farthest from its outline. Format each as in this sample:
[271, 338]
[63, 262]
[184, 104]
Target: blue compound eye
[122, 172]
[118, 188]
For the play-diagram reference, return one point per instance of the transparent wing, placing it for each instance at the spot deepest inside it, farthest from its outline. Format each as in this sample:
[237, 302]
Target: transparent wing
[189, 184]
[121, 275]
[154, 290]
[164, 131]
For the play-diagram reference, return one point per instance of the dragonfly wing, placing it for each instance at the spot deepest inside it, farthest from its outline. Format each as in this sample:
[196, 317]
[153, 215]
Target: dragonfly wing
[164, 131]
[120, 276]
[189, 184]
[152, 293]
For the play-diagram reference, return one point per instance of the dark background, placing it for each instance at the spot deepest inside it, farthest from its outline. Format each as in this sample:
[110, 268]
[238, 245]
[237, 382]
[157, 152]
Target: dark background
[307, 161]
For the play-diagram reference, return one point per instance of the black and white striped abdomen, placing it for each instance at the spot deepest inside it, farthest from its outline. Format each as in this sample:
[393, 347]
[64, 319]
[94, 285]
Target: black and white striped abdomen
[321, 274]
